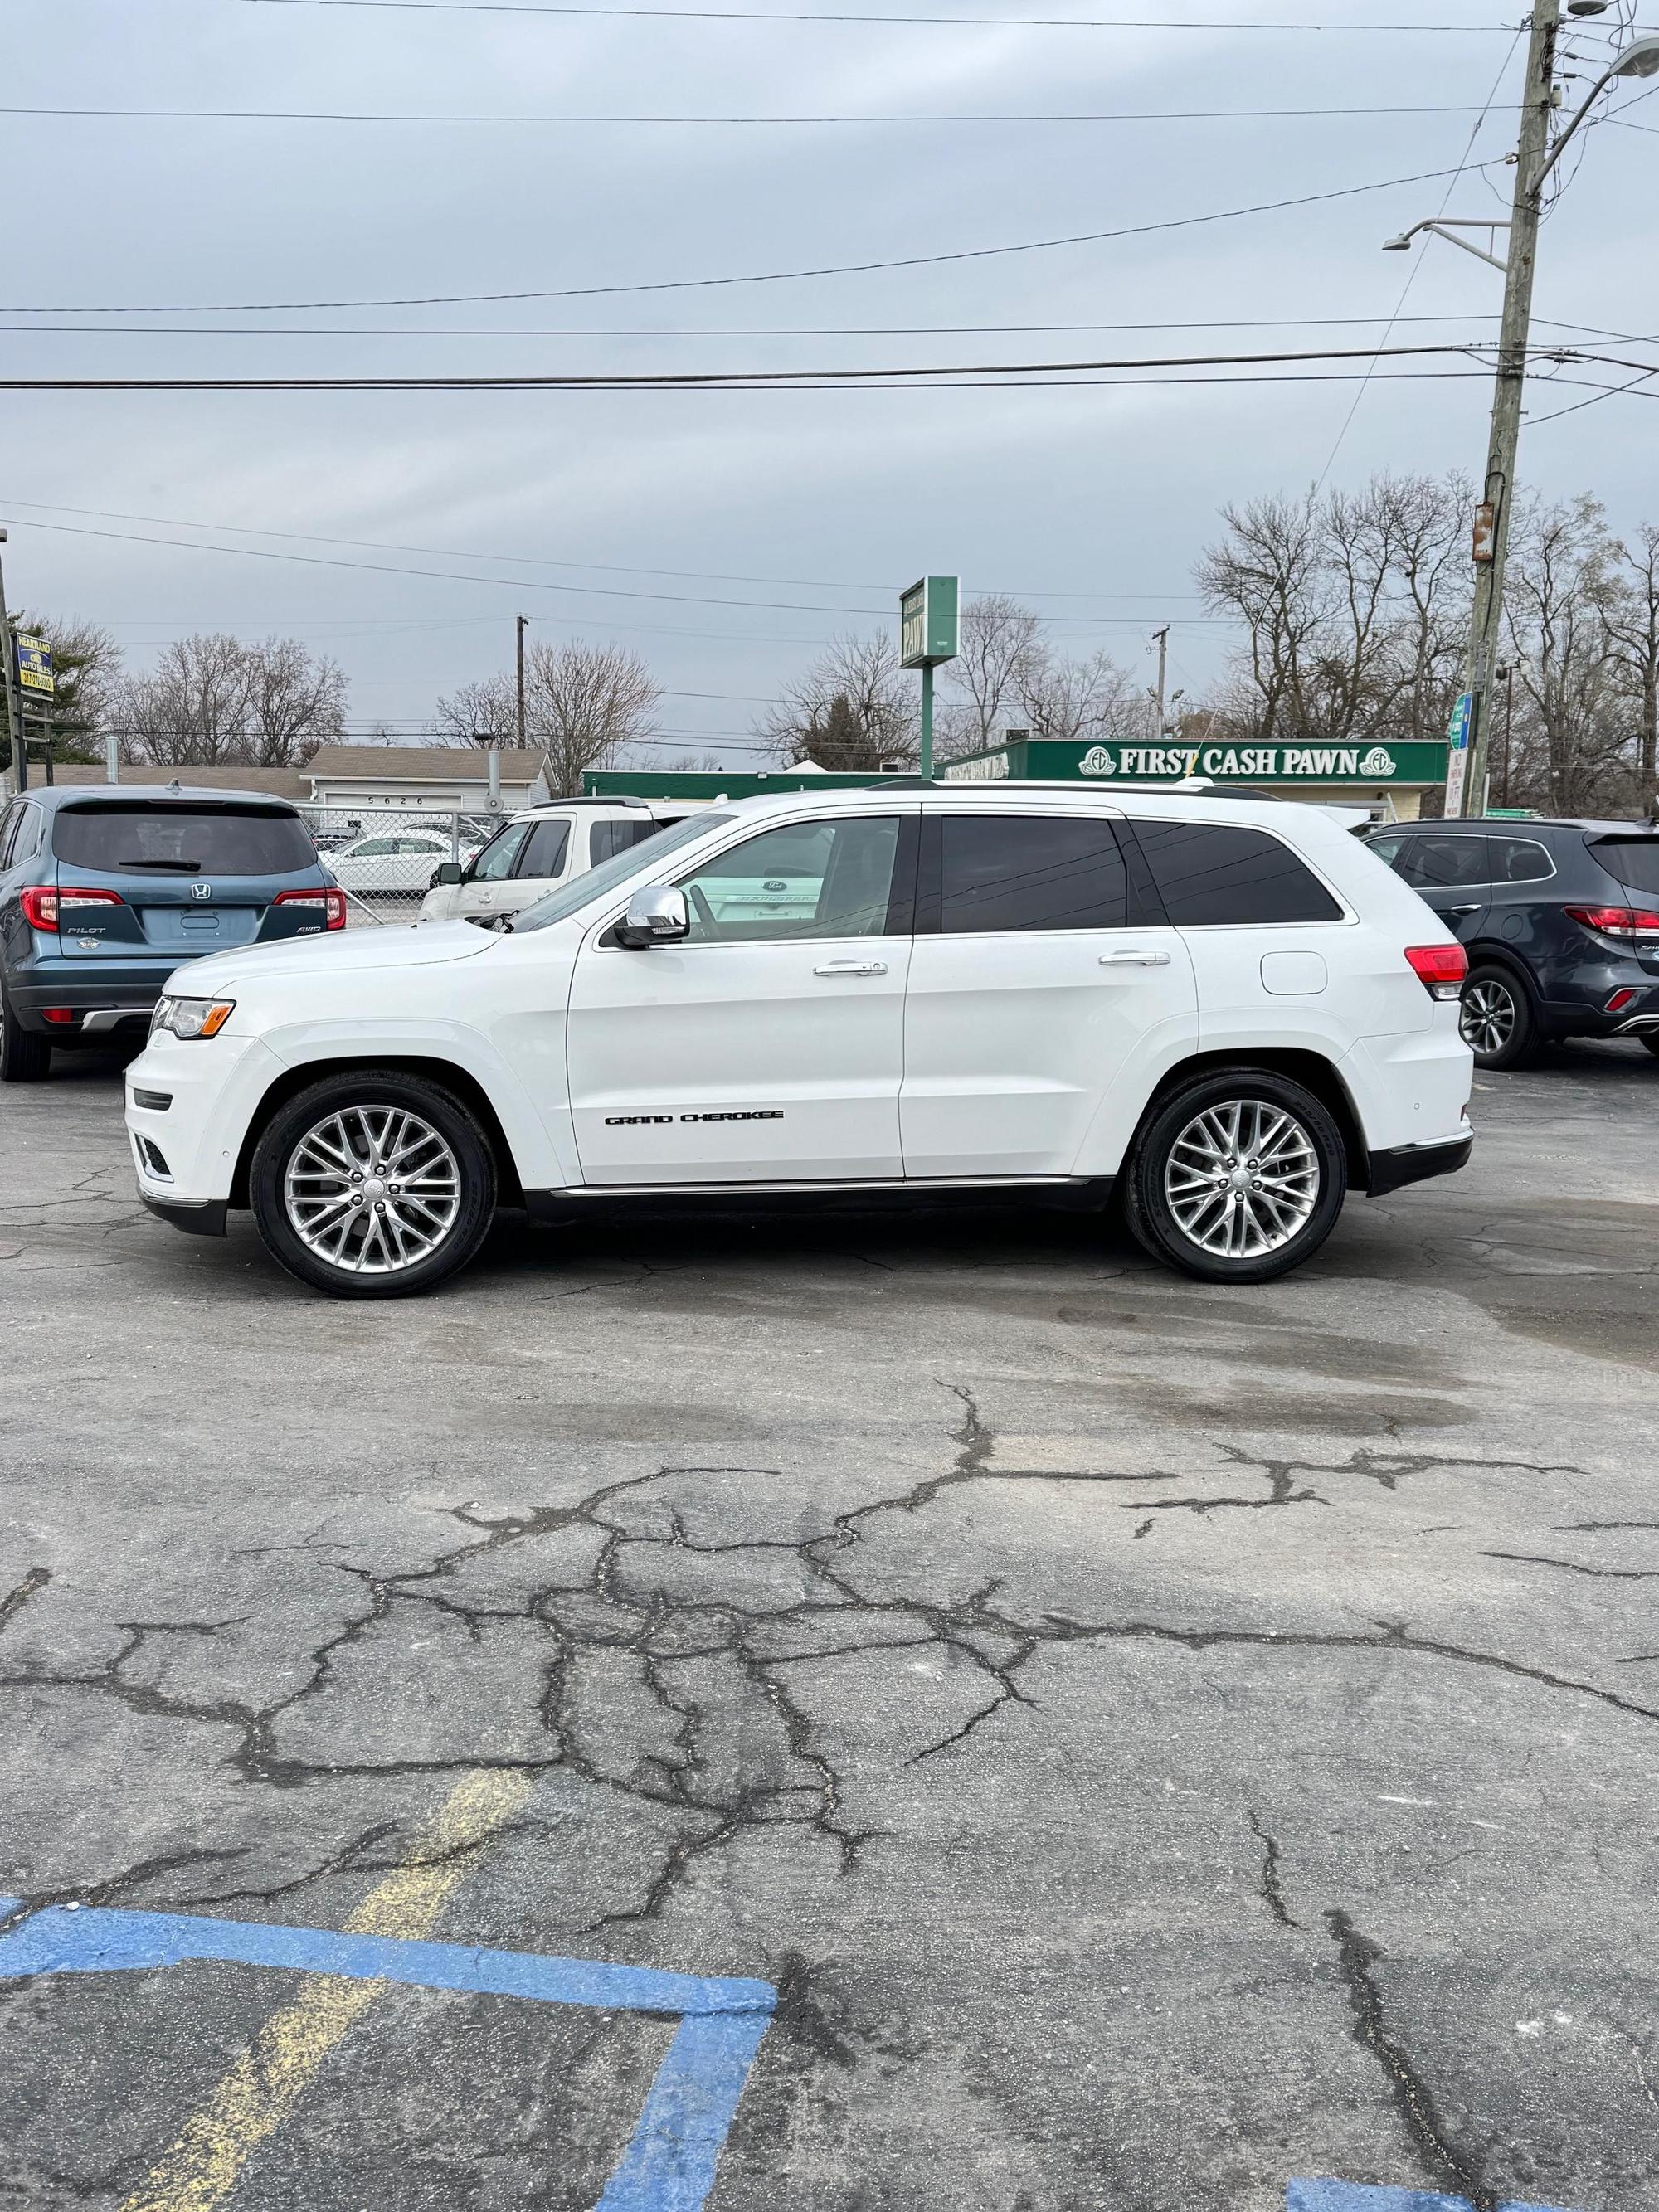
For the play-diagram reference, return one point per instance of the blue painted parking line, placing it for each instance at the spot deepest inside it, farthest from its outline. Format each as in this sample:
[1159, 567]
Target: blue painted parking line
[670, 2161]
[1354, 2196]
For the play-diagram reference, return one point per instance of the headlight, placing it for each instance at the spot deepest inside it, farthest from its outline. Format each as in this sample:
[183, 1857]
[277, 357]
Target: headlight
[192, 1017]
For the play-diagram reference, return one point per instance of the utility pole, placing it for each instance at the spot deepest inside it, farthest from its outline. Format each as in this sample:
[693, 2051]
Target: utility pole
[1161, 640]
[1492, 523]
[14, 704]
[521, 623]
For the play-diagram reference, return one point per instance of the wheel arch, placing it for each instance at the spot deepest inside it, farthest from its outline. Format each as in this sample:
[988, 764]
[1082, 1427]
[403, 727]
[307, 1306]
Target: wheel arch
[1483, 953]
[432, 1069]
[1310, 1069]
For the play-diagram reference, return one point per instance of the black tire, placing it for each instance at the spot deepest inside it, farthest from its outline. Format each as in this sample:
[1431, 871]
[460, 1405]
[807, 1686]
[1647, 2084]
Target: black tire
[25, 1057]
[462, 1160]
[1651, 1040]
[1497, 1018]
[1317, 1167]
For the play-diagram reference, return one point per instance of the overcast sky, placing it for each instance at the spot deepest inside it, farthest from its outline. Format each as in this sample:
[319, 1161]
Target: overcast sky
[804, 512]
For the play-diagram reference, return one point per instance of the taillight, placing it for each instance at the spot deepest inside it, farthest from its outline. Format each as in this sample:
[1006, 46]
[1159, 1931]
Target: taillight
[1634, 924]
[1440, 969]
[44, 909]
[331, 904]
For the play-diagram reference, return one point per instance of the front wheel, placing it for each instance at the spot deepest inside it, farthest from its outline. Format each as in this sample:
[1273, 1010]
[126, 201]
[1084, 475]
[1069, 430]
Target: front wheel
[1496, 1017]
[1238, 1178]
[373, 1185]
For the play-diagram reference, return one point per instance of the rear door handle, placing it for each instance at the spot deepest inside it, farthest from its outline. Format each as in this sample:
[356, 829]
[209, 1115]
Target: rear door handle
[1473, 908]
[1134, 956]
[852, 968]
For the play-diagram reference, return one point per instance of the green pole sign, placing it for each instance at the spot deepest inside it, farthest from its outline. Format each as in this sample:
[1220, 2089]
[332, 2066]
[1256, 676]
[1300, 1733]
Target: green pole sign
[929, 629]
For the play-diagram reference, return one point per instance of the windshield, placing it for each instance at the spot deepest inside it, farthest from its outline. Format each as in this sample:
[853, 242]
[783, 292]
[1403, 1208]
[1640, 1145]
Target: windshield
[582, 890]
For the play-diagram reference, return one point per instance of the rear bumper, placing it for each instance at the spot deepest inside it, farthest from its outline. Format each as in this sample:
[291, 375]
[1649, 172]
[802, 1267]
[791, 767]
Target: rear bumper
[125, 989]
[1404, 1163]
[206, 1219]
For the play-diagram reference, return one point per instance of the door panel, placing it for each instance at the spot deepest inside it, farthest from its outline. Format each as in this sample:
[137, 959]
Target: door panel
[1451, 873]
[1015, 1031]
[768, 1048]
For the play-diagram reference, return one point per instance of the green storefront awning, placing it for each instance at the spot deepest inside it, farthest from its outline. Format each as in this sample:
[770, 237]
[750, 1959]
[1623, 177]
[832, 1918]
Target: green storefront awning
[1047, 761]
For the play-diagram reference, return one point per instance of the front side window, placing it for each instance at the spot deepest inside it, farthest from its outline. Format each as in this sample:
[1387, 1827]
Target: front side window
[115, 837]
[498, 856]
[544, 849]
[1211, 874]
[1000, 873]
[802, 879]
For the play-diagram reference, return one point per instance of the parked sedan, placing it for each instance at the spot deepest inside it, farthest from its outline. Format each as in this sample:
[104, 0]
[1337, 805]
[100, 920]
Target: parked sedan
[391, 864]
[1560, 920]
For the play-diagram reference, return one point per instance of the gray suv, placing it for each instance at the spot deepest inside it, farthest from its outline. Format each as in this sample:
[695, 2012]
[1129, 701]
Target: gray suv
[1560, 920]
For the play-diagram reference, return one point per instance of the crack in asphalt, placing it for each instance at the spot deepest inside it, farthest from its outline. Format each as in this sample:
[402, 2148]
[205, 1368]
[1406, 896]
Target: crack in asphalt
[1573, 1567]
[1357, 1955]
[759, 1649]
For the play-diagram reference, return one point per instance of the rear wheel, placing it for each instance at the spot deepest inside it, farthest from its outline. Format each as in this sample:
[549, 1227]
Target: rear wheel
[373, 1185]
[1496, 1017]
[24, 1057]
[1239, 1178]
[1651, 1040]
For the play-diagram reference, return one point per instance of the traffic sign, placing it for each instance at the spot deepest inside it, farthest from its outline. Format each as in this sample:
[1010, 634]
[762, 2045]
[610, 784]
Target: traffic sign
[34, 666]
[928, 622]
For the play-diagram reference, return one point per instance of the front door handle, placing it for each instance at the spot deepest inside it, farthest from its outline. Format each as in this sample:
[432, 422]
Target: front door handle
[1134, 956]
[852, 968]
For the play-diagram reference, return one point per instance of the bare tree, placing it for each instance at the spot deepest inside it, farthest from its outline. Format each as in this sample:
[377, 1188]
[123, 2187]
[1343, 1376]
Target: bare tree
[581, 702]
[1633, 620]
[484, 714]
[1000, 640]
[215, 701]
[295, 702]
[1269, 572]
[1092, 701]
[880, 724]
[1564, 596]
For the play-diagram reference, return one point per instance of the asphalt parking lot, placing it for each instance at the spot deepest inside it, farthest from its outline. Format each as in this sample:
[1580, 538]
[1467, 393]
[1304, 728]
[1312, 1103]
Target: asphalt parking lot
[1158, 1742]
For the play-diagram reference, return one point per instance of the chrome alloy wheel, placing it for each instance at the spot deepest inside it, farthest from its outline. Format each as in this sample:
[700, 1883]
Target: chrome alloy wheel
[1487, 1017]
[1242, 1179]
[371, 1190]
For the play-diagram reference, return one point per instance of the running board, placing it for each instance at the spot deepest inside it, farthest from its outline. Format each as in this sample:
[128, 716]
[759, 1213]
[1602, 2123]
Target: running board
[1084, 1191]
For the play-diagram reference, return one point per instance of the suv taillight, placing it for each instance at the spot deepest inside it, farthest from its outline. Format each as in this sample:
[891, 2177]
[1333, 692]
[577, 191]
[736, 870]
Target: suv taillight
[1440, 969]
[331, 904]
[1634, 924]
[44, 908]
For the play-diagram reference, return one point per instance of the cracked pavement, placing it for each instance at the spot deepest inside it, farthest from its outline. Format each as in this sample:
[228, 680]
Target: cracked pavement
[1160, 1740]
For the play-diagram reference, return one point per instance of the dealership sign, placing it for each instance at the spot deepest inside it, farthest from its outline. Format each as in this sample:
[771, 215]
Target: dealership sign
[1042, 760]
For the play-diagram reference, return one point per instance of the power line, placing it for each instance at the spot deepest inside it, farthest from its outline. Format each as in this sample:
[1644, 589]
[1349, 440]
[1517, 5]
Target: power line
[324, 115]
[767, 276]
[952, 22]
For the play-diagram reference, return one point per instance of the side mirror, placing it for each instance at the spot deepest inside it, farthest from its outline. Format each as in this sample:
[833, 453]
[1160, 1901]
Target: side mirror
[448, 871]
[656, 916]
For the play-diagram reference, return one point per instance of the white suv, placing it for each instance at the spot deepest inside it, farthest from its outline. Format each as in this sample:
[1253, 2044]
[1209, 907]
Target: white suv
[540, 848]
[1226, 1008]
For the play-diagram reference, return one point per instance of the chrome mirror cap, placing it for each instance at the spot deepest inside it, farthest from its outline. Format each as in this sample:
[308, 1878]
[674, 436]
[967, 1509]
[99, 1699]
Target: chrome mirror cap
[656, 916]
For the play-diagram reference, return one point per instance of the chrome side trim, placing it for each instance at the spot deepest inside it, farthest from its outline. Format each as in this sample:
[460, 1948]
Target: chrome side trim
[767, 1189]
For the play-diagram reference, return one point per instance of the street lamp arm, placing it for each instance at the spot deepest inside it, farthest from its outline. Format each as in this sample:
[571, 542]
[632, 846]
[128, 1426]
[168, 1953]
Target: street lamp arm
[1641, 59]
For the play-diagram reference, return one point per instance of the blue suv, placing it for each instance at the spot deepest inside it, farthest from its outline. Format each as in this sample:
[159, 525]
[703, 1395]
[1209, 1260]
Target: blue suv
[1560, 920]
[104, 892]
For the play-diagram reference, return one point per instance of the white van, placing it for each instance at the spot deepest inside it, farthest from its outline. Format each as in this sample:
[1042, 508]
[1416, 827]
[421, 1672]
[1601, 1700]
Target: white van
[541, 848]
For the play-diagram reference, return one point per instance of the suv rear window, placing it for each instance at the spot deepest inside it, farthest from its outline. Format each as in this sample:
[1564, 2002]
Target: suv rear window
[208, 841]
[1209, 873]
[1634, 860]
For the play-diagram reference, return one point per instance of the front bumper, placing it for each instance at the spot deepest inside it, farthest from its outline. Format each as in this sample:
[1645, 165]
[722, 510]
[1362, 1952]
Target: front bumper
[189, 1107]
[1406, 1164]
[207, 1219]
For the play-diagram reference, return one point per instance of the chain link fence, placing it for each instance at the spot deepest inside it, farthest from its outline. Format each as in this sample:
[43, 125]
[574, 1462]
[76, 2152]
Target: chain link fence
[385, 859]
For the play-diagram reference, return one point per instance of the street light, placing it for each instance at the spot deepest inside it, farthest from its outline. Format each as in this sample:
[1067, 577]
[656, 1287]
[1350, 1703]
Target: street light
[1447, 227]
[1640, 59]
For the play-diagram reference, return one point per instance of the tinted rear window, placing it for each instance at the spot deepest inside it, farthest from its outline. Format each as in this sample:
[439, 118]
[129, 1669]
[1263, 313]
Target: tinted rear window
[208, 841]
[1634, 860]
[1210, 873]
[1012, 872]
[609, 838]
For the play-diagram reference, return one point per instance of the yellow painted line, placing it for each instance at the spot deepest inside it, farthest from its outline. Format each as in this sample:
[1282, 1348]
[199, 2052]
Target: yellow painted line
[267, 2080]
